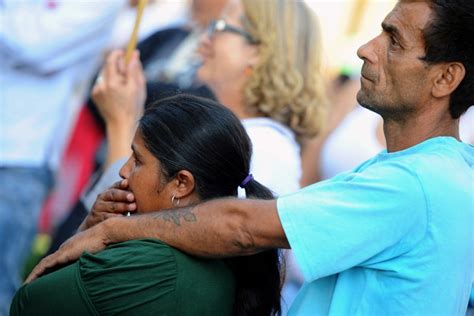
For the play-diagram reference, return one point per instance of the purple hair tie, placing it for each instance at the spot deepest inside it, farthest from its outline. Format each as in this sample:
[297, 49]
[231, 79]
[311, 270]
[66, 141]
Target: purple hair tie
[246, 180]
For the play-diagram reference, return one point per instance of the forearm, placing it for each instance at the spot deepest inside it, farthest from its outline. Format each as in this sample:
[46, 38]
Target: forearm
[218, 228]
[119, 140]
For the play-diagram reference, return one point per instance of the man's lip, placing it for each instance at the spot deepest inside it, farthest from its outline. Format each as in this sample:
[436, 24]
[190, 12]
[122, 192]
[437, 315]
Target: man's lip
[365, 77]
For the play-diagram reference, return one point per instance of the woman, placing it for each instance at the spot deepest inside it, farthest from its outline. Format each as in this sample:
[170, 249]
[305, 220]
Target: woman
[262, 60]
[186, 149]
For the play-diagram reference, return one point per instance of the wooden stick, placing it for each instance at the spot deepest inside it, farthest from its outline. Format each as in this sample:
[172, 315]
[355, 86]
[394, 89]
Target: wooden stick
[355, 21]
[132, 43]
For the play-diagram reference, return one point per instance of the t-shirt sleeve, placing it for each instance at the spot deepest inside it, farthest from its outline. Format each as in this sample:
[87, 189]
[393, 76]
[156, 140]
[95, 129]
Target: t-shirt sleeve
[356, 219]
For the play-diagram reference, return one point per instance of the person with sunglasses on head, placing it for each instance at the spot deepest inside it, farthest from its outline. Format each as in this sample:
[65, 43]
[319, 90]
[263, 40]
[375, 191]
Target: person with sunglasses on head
[186, 150]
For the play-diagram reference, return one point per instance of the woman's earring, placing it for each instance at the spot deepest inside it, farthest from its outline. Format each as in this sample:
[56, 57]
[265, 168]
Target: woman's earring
[173, 199]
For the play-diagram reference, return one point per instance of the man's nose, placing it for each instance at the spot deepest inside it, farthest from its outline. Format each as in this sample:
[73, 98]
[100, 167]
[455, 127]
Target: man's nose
[367, 52]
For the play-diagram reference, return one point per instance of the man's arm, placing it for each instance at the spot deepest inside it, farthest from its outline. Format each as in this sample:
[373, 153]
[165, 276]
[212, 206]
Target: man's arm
[218, 228]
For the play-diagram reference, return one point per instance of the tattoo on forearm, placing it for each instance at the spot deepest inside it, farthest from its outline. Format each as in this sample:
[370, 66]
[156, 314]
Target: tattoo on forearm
[176, 215]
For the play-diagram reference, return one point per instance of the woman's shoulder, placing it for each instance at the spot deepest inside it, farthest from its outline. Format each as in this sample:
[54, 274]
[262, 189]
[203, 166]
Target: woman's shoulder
[154, 278]
[269, 137]
[274, 148]
[203, 286]
[136, 276]
[264, 127]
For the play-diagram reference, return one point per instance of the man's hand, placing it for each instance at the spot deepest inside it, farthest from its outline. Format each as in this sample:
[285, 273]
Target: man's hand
[92, 240]
[115, 201]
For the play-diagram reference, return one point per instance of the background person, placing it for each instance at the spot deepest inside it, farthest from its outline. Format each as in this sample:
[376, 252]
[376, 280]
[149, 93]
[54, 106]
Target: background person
[169, 60]
[262, 59]
[48, 50]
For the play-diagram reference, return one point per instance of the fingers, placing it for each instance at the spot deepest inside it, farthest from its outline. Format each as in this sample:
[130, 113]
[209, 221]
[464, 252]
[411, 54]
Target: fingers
[116, 195]
[50, 261]
[115, 201]
[92, 240]
[122, 184]
[101, 206]
[111, 70]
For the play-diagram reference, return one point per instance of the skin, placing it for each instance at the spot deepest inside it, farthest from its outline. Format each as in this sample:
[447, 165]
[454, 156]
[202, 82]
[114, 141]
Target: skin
[239, 227]
[411, 96]
[147, 187]
[226, 59]
[120, 95]
[145, 177]
[203, 11]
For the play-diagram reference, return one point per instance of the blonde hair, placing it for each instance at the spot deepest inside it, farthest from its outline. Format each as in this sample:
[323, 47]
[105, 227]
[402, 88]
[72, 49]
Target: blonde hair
[287, 83]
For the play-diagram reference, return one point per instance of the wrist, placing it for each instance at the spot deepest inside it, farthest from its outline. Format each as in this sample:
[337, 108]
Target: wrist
[107, 231]
[114, 228]
[121, 130]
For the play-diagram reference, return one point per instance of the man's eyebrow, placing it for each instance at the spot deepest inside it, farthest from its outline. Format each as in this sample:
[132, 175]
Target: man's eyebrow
[392, 29]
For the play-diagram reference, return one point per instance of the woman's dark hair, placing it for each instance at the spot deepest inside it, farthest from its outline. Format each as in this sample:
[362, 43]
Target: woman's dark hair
[203, 137]
[448, 38]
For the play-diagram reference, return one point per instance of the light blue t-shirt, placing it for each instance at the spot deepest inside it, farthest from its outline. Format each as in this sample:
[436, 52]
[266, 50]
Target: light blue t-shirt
[394, 236]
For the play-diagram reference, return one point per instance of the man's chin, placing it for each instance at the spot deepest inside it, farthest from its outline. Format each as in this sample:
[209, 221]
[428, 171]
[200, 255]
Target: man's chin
[365, 102]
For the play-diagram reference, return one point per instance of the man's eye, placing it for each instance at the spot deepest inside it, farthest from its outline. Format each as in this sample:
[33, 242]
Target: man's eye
[394, 42]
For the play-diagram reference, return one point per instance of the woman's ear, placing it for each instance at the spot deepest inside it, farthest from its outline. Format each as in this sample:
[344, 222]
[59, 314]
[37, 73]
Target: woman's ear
[185, 184]
[254, 57]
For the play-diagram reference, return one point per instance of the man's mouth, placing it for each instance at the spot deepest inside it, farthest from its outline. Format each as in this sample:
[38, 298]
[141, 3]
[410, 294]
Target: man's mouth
[363, 74]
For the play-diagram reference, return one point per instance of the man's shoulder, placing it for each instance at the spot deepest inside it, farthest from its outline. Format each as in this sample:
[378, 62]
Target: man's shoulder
[432, 156]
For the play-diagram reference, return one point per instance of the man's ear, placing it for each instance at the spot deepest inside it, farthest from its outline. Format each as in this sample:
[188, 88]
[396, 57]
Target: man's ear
[448, 79]
[184, 181]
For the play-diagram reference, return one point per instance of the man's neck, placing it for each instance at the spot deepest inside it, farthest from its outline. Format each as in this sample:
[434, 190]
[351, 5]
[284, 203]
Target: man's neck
[403, 134]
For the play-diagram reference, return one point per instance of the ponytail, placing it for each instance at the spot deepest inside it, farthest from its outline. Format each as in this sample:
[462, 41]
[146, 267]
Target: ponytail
[258, 276]
[256, 190]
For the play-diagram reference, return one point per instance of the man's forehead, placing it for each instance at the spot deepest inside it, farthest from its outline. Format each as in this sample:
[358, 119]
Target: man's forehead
[409, 18]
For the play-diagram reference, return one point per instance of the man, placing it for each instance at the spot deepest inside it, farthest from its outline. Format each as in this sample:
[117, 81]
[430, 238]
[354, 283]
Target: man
[392, 236]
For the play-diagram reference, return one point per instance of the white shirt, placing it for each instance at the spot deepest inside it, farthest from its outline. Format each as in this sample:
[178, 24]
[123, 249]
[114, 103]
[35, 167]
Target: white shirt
[276, 161]
[48, 52]
[351, 143]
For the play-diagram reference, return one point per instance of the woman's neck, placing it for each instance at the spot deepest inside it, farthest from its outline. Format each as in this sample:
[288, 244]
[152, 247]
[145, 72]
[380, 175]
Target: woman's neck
[233, 99]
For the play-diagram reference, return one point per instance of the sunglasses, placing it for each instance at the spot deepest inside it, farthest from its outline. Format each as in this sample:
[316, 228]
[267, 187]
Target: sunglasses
[222, 26]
